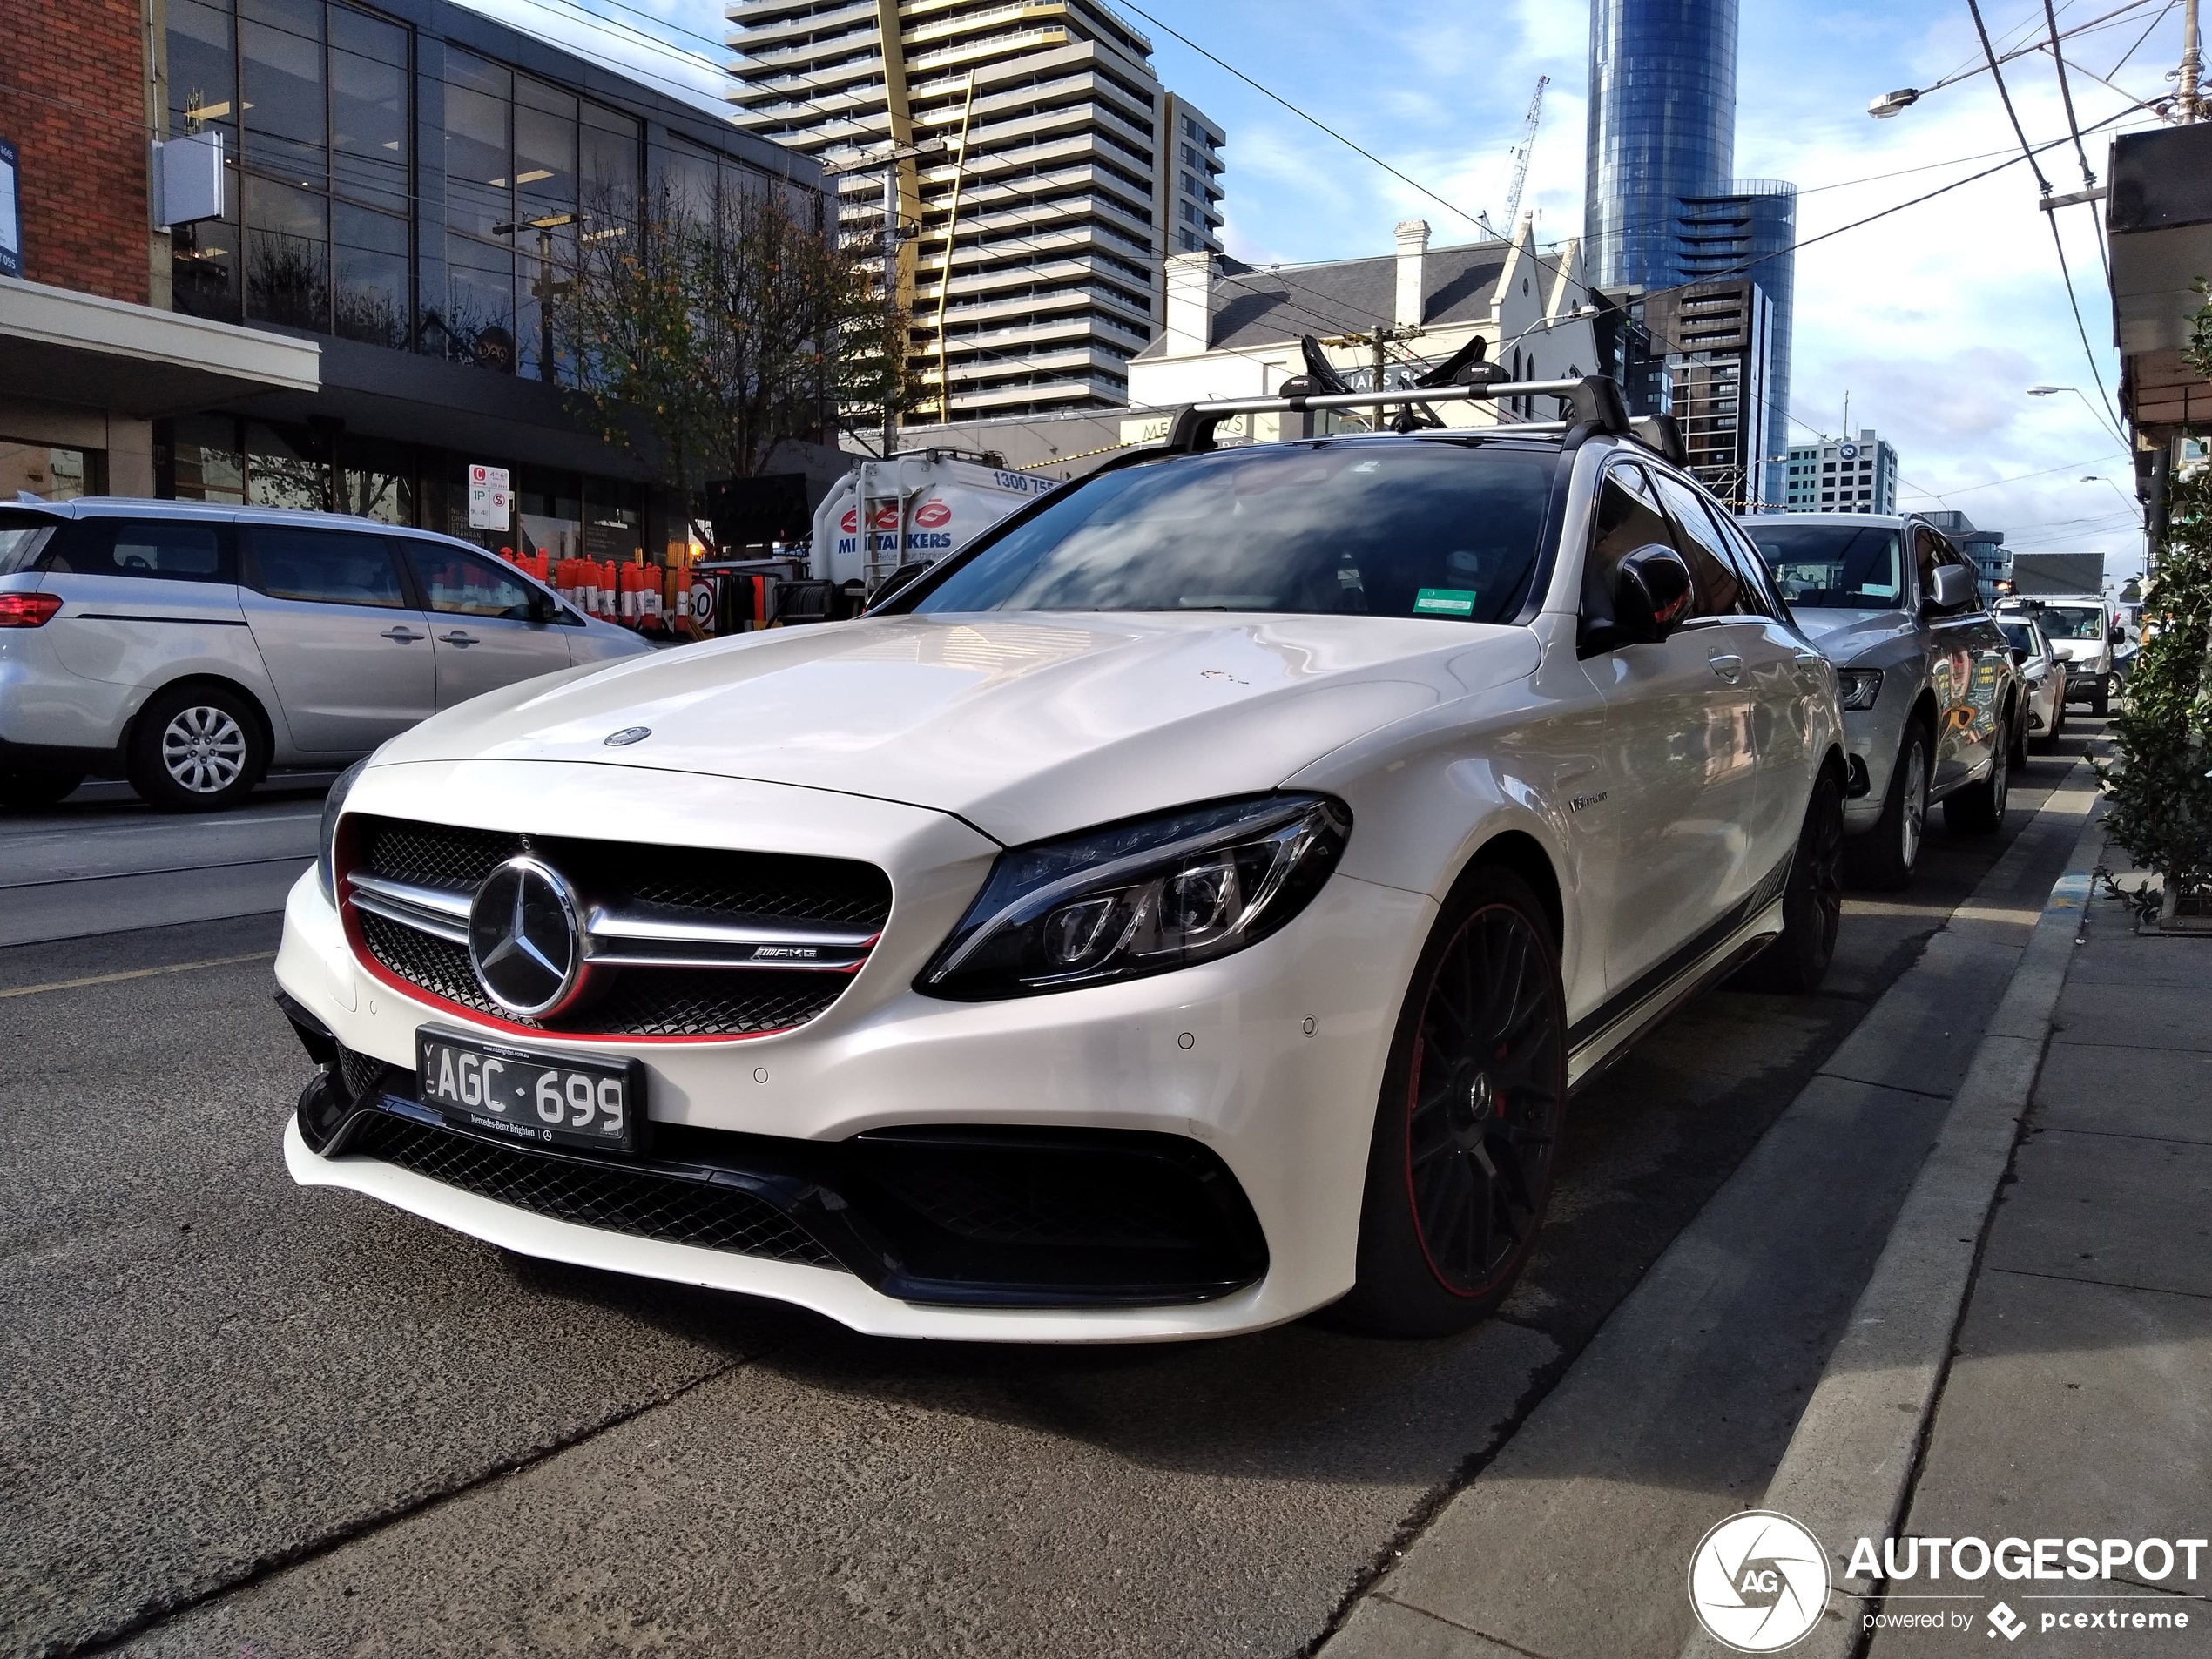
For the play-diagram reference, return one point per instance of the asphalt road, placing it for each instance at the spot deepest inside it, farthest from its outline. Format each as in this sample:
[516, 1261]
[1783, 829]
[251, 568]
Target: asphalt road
[244, 1418]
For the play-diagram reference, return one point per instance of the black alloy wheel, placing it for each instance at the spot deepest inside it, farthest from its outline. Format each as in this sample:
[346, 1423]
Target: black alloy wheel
[1467, 1129]
[1812, 902]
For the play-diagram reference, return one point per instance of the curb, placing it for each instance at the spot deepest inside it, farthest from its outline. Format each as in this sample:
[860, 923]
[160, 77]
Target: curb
[1847, 1466]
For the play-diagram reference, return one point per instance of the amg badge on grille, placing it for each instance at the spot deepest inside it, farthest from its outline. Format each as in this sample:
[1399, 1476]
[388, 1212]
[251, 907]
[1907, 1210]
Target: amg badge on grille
[524, 939]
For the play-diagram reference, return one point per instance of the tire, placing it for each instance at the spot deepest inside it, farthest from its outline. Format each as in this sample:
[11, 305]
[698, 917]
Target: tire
[2019, 729]
[1886, 856]
[1457, 1182]
[1978, 809]
[2101, 699]
[1813, 903]
[197, 749]
[27, 789]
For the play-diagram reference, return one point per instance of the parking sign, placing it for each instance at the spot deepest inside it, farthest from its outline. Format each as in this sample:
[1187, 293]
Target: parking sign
[490, 506]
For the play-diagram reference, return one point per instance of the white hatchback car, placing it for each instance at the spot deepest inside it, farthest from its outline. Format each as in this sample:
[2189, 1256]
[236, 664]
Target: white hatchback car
[1189, 906]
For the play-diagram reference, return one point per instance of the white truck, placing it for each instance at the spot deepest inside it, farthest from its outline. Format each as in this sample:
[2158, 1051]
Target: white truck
[914, 508]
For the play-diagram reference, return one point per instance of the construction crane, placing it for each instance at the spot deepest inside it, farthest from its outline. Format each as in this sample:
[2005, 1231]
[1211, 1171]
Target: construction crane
[1520, 152]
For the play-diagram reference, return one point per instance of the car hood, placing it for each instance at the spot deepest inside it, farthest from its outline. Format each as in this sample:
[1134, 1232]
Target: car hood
[1025, 725]
[1844, 636]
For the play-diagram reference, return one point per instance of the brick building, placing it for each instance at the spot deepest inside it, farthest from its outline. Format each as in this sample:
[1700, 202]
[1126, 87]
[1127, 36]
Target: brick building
[360, 319]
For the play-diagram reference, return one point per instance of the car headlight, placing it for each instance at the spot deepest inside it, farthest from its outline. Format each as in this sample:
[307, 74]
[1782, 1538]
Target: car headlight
[327, 842]
[1856, 688]
[1139, 898]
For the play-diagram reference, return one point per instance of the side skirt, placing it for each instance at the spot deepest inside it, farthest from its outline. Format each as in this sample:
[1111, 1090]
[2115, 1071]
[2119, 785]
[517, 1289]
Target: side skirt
[1601, 1037]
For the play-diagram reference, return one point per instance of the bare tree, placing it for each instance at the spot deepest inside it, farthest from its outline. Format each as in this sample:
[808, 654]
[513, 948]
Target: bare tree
[716, 335]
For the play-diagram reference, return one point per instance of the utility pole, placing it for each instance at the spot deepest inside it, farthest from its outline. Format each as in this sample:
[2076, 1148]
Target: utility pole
[2188, 104]
[1379, 341]
[896, 231]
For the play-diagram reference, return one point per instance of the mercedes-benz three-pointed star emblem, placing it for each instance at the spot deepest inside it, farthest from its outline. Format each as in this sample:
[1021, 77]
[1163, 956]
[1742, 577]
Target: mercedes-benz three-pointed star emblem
[523, 941]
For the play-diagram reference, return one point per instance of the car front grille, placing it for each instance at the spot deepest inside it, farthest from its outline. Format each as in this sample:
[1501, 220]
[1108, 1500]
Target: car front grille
[678, 886]
[639, 1202]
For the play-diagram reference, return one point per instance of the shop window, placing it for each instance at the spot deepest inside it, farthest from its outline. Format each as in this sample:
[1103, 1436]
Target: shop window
[283, 470]
[203, 460]
[376, 480]
[49, 473]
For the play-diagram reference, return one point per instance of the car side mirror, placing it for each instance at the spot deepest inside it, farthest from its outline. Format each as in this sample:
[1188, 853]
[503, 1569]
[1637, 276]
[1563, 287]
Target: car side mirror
[1953, 588]
[1651, 595]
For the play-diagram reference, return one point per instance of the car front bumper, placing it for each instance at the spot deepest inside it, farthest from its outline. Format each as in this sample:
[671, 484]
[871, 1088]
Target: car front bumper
[1265, 1064]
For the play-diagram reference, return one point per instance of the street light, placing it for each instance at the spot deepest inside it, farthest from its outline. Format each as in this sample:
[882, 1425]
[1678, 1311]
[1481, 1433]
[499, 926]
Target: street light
[1891, 103]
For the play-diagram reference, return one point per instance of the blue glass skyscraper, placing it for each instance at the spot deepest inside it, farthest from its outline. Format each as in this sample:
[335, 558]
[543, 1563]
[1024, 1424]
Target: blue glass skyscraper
[1664, 207]
[1662, 127]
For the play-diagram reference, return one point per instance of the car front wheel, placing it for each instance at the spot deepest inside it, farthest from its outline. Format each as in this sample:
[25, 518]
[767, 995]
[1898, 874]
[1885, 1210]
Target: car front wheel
[1887, 854]
[1460, 1168]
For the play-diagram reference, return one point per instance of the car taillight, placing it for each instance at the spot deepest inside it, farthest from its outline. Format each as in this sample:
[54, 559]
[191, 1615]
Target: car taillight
[27, 610]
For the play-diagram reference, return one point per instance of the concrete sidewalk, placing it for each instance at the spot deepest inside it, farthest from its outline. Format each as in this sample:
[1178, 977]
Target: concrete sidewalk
[2079, 1398]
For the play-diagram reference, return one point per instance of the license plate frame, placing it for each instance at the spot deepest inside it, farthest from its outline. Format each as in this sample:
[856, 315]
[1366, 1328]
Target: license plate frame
[510, 1099]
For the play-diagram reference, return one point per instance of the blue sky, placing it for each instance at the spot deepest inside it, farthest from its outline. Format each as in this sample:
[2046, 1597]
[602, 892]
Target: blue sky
[1934, 319]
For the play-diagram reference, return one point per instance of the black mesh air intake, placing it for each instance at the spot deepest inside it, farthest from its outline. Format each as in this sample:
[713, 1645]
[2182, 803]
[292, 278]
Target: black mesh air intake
[640, 1203]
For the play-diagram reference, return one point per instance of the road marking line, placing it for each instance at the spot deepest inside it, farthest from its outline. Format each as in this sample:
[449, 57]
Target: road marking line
[138, 973]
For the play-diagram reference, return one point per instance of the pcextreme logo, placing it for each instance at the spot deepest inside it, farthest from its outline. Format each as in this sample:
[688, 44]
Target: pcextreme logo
[1758, 1581]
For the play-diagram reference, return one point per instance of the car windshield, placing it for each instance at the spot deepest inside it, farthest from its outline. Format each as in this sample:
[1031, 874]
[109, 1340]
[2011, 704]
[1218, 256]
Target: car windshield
[2074, 622]
[1848, 566]
[1410, 527]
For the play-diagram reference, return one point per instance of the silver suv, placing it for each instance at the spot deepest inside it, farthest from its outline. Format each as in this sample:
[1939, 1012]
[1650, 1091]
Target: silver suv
[1932, 700]
[193, 647]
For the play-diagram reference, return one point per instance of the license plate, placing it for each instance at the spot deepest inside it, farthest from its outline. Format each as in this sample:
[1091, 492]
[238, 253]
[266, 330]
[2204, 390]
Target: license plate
[556, 1100]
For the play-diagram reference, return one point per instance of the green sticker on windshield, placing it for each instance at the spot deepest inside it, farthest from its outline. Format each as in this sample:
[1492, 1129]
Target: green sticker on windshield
[1444, 602]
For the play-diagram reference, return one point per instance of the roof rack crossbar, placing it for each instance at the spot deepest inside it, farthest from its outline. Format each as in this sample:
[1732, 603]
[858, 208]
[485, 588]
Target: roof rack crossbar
[1593, 400]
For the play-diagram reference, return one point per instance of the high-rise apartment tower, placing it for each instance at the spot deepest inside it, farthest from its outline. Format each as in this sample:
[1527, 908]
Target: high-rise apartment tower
[1037, 234]
[1663, 205]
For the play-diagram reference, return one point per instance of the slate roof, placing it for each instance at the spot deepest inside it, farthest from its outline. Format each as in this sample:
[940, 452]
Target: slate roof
[1253, 305]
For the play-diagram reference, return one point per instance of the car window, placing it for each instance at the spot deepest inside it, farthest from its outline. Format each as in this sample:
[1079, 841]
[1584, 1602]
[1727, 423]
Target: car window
[464, 585]
[1389, 528]
[330, 567]
[1718, 589]
[2074, 622]
[23, 536]
[1849, 567]
[1760, 593]
[2022, 635]
[150, 548]
[1628, 517]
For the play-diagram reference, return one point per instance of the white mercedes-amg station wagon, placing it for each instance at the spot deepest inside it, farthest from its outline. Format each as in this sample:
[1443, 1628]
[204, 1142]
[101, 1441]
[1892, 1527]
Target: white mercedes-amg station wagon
[1190, 906]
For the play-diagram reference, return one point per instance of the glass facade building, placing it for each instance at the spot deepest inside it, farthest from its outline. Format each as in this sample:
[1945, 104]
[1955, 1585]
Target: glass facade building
[1663, 208]
[407, 179]
[1661, 128]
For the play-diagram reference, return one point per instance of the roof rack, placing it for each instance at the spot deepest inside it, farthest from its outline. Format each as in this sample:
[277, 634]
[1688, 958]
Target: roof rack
[1594, 403]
